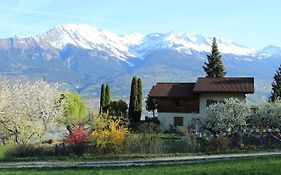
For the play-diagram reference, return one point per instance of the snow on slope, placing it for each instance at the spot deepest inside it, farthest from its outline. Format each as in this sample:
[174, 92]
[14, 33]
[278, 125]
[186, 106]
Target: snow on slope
[229, 47]
[87, 37]
[135, 44]
[186, 43]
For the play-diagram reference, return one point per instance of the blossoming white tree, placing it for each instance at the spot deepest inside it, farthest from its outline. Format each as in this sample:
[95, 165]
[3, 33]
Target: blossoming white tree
[267, 117]
[227, 117]
[27, 109]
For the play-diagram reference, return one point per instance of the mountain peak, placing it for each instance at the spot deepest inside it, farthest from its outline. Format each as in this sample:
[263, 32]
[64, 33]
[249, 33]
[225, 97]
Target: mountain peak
[87, 37]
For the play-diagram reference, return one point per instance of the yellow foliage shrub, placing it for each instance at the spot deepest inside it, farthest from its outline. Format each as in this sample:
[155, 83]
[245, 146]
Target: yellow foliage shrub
[109, 134]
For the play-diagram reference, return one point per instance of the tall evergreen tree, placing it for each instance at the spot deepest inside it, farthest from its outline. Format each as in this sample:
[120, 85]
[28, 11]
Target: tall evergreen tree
[139, 99]
[102, 98]
[276, 85]
[214, 67]
[107, 97]
[133, 105]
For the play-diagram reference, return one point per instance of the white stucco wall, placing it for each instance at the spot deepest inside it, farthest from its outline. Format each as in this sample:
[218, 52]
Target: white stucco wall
[166, 119]
[215, 96]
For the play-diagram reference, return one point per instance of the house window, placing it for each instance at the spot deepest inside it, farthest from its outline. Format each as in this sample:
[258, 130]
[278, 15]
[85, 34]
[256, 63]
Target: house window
[179, 103]
[212, 102]
[178, 121]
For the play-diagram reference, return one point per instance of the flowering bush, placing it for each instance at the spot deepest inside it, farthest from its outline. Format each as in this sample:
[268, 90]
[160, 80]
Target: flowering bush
[268, 116]
[267, 120]
[228, 117]
[109, 134]
[77, 139]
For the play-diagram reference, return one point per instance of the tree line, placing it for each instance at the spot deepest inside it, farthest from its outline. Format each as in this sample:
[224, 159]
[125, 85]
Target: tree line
[120, 107]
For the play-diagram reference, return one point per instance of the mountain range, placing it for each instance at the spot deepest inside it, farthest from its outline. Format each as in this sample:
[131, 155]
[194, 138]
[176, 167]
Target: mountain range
[81, 57]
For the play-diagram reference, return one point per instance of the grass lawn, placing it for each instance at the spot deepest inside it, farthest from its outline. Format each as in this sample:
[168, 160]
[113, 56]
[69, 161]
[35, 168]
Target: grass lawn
[261, 165]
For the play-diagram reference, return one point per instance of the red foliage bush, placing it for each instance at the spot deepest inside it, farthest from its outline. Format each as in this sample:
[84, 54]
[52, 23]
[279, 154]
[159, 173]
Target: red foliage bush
[77, 139]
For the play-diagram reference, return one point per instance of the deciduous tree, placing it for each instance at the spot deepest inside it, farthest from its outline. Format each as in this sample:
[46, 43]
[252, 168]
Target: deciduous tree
[27, 110]
[151, 104]
[75, 110]
[118, 108]
[227, 117]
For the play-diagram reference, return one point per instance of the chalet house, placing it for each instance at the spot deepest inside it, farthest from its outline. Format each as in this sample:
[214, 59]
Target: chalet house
[178, 103]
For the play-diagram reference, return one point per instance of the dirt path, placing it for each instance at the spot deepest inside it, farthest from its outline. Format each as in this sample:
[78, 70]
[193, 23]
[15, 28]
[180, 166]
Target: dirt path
[133, 162]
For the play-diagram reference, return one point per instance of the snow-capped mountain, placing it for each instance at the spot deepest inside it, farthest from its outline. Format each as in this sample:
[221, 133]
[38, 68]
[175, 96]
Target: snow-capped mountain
[83, 56]
[88, 37]
[186, 43]
[130, 45]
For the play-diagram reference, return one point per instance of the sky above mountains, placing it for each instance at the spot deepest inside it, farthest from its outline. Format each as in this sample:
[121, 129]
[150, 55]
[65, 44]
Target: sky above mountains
[254, 23]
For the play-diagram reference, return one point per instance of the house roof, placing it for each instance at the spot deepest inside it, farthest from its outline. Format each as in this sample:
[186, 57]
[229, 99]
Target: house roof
[173, 90]
[204, 85]
[226, 85]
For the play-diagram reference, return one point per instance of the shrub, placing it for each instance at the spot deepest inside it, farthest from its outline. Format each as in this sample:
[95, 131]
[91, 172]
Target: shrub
[190, 140]
[20, 151]
[219, 143]
[77, 139]
[149, 143]
[152, 120]
[150, 127]
[109, 134]
[266, 119]
[227, 117]
[267, 116]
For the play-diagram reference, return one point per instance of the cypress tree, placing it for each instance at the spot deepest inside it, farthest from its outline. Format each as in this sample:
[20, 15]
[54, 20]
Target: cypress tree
[276, 85]
[102, 98]
[107, 97]
[214, 67]
[139, 99]
[133, 105]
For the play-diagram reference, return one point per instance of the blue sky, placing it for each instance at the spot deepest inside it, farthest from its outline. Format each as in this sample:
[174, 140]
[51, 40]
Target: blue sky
[254, 23]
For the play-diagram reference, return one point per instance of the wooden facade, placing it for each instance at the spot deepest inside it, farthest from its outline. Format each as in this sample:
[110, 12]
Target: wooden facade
[179, 105]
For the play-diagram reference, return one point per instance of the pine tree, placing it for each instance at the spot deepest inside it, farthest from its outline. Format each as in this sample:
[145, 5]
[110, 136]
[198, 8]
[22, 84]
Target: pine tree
[133, 105]
[276, 85]
[214, 67]
[139, 99]
[102, 98]
[107, 97]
